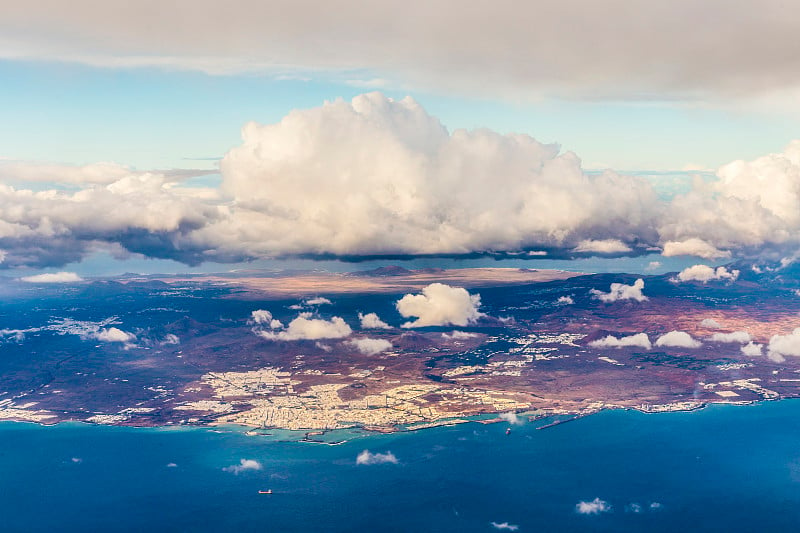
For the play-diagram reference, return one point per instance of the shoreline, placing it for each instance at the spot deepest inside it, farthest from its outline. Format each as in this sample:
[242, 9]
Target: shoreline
[305, 436]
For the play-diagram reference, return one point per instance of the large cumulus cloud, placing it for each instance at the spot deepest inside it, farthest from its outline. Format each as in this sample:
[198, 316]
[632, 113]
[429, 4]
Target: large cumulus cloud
[751, 205]
[382, 176]
[377, 176]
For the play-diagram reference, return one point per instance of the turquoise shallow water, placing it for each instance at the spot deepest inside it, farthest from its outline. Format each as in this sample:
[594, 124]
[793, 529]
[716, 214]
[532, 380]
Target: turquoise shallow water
[725, 468]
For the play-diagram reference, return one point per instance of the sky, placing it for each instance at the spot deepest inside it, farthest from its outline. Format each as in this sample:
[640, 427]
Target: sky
[210, 135]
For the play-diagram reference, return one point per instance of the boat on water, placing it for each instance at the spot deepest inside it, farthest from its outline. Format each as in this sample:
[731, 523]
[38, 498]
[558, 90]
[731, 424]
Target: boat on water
[508, 431]
[268, 491]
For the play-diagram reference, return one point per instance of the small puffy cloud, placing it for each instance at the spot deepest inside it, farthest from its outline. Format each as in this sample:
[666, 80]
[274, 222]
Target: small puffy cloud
[678, 339]
[511, 418]
[459, 335]
[323, 347]
[753, 349]
[170, 339]
[694, 246]
[706, 273]
[741, 337]
[58, 277]
[565, 300]
[504, 526]
[620, 291]
[783, 345]
[304, 327]
[368, 458]
[653, 265]
[261, 317]
[593, 507]
[440, 305]
[113, 334]
[710, 323]
[317, 301]
[633, 508]
[245, 465]
[604, 246]
[639, 340]
[372, 321]
[369, 346]
[655, 506]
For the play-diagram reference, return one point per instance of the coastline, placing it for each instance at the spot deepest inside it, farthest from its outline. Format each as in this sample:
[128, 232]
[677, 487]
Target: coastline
[345, 434]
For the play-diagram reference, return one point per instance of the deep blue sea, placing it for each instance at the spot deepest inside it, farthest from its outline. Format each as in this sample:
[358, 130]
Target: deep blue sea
[725, 468]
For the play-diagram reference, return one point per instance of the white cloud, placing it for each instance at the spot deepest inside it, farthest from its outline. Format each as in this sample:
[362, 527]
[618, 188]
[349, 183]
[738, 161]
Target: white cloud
[653, 265]
[604, 246]
[751, 205]
[440, 305]
[784, 345]
[305, 327]
[368, 458]
[170, 339]
[245, 465]
[100, 331]
[753, 349]
[317, 301]
[511, 418]
[710, 323]
[594, 507]
[369, 346]
[741, 337]
[565, 300]
[15, 335]
[620, 291]
[381, 176]
[114, 335]
[706, 273]
[640, 339]
[323, 347]
[678, 339]
[372, 321]
[458, 335]
[694, 246]
[262, 317]
[505, 526]
[58, 277]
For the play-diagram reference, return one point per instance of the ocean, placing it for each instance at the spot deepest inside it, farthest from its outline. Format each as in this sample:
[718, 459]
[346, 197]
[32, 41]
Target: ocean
[724, 468]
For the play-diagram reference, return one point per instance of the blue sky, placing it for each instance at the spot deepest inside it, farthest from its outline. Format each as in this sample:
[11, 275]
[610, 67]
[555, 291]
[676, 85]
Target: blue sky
[154, 118]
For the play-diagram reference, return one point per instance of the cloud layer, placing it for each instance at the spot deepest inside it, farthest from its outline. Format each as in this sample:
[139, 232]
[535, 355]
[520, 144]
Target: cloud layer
[377, 176]
[529, 49]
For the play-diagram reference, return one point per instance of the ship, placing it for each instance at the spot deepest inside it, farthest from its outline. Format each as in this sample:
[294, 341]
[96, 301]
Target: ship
[268, 491]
